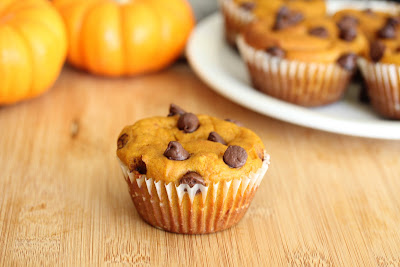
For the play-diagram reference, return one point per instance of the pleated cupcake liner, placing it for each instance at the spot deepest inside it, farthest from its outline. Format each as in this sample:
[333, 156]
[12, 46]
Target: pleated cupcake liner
[301, 83]
[235, 19]
[383, 86]
[197, 210]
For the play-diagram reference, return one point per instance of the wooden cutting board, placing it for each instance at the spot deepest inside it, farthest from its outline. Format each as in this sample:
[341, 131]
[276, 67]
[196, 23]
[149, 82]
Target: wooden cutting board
[327, 200]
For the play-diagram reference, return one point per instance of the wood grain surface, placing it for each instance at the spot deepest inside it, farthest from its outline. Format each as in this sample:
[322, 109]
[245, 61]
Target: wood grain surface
[327, 200]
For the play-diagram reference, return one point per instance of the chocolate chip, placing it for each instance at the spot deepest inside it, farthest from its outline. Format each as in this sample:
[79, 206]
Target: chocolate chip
[387, 32]
[260, 154]
[188, 122]
[283, 11]
[175, 110]
[191, 179]
[348, 61]
[215, 137]
[347, 21]
[138, 165]
[320, 32]
[394, 21]
[248, 6]
[348, 34]
[122, 140]
[377, 50]
[238, 123]
[235, 156]
[175, 151]
[369, 12]
[276, 51]
[296, 17]
[286, 18]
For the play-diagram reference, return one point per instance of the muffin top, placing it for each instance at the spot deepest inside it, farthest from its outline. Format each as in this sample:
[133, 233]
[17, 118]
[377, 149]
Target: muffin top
[385, 46]
[262, 8]
[369, 21]
[382, 30]
[289, 35]
[185, 148]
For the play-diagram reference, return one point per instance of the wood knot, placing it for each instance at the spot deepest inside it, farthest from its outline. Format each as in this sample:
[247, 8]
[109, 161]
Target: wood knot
[74, 128]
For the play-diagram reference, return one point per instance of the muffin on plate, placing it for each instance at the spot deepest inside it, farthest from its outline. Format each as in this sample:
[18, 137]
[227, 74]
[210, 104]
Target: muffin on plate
[191, 174]
[308, 62]
[381, 69]
[239, 13]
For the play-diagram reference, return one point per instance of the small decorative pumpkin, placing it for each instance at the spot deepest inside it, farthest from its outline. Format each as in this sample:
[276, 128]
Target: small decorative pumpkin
[33, 47]
[125, 37]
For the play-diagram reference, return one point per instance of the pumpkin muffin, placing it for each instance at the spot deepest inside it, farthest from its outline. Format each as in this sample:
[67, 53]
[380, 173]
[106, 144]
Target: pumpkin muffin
[381, 69]
[308, 62]
[191, 174]
[239, 13]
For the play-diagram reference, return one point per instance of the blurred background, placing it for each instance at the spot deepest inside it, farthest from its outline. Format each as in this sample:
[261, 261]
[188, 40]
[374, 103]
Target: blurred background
[202, 8]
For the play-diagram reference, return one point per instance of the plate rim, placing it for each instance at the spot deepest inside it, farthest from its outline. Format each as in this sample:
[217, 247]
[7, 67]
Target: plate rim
[330, 124]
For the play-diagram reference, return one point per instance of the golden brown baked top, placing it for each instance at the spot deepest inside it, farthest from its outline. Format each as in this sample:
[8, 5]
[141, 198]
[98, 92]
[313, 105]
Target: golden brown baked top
[145, 148]
[288, 34]
[263, 8]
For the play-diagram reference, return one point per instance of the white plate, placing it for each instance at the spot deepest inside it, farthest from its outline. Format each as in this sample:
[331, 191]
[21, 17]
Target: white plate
[222, 69]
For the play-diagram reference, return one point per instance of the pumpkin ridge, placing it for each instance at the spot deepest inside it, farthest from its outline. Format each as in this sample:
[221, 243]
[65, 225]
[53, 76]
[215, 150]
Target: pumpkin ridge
[156, 53]
[14, 7]
[42, 20]
[18, 6]
[27, 44]
[8, 94]
[179, 13]
[160, 14]
[83, 61]
[75, 59]
[69, 4]
[123, 42]
[45, 25]
[25, 23]
[4, 9]
[103, 56]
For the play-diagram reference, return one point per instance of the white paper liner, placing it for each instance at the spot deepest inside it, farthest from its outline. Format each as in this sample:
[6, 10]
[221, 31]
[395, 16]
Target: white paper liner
[383, 83]
[303, 83]
[235, 18]
[156, 201]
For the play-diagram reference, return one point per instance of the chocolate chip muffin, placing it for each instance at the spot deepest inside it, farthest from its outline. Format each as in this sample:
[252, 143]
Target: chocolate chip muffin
[190, 173]
[239, 13]
[381, 69]
[308, 62]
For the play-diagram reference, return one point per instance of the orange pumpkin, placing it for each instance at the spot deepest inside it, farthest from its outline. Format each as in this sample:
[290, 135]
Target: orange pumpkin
[125, 37]
[33, 47]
